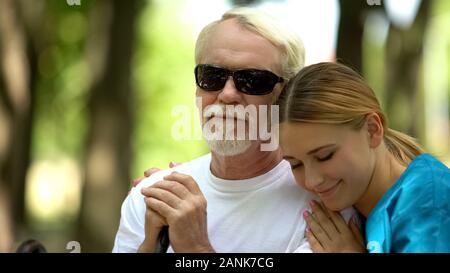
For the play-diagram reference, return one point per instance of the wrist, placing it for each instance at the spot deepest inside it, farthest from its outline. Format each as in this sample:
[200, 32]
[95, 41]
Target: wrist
[205, 248]
[147, 246]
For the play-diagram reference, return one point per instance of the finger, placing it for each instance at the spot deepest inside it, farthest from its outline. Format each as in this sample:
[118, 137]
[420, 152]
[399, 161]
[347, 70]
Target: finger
[322, 218]
[163, 195]
[186, 180]
[136, 181]
[160, 207]
[357, 232]
[321, 205]
[152, 216]
[316, 229]
[174, 187]
[338, 220]
[173, 164]
[151, 171]
[313, 242]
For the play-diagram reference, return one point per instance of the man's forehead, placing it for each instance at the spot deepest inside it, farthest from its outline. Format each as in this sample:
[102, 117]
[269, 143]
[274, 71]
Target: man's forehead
[233, 47]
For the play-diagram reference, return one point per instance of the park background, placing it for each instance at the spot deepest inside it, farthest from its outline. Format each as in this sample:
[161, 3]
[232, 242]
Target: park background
[88, 88]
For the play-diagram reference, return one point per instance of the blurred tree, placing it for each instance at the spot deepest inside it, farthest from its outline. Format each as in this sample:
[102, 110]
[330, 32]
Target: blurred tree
[350, 32]
[110, 46]
[404, 51]
[17, 95]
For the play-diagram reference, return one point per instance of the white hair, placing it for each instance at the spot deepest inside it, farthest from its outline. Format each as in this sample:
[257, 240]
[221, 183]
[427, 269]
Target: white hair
[290, 45]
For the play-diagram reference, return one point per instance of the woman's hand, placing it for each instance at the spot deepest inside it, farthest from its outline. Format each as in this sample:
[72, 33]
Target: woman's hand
[328, 232]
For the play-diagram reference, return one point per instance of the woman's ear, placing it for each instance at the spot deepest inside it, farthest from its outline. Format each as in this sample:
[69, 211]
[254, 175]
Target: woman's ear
[375, 129]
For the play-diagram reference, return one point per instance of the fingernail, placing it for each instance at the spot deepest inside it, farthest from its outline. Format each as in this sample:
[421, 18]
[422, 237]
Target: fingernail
[305, 214]
[312, 203]
[308, 229]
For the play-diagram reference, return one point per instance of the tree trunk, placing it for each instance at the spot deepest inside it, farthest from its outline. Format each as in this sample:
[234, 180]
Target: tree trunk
[18, 65]
[404, 50]
[108, 152]
[350, 32]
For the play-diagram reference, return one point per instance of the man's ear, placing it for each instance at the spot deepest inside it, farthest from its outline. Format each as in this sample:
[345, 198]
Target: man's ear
[375, 129]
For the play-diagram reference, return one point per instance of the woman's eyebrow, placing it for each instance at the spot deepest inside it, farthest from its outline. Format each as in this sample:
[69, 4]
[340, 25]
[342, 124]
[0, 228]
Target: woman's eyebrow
[319, 148]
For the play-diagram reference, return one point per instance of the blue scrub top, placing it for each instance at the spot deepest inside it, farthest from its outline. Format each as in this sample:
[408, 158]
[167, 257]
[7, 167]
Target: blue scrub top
[414, 214]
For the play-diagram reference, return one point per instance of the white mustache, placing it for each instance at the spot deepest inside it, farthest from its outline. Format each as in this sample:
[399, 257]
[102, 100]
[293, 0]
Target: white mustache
[219, 111]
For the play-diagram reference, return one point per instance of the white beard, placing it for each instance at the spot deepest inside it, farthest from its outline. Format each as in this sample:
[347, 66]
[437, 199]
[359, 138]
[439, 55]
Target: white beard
[226, 147]
[226, 143]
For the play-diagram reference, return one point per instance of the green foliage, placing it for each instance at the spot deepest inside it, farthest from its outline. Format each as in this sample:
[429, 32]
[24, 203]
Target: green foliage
[60, 115]
[164, 78]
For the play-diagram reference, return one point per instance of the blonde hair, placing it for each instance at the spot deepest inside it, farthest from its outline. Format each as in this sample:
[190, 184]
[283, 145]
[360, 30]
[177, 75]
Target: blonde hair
[332, 93]
[289, 44]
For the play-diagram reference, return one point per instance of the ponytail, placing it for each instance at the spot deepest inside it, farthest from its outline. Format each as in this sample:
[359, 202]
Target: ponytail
[403, 147]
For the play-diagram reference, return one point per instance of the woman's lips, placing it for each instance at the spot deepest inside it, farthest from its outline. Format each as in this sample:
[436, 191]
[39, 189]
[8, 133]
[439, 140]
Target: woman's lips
[329, 192]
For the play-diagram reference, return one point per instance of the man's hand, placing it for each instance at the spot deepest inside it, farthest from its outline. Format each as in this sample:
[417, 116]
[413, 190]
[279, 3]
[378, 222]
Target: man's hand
[153, 225]
[328, 232]
[153, 221]
[179, 200]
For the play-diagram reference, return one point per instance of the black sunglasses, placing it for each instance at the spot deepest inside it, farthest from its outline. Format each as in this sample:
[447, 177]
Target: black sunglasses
[249, 81]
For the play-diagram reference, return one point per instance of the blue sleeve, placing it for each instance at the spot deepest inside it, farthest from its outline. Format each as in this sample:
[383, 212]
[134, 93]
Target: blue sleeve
[422, 232]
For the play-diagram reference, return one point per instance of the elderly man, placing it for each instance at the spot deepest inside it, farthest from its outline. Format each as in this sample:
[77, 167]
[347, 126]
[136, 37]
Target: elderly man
[240, 197]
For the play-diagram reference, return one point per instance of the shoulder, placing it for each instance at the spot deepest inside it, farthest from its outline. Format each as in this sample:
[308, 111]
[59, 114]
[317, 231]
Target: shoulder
[425, 185]
[134, 203]
[425, 175]
[426, 166]
[188, 168]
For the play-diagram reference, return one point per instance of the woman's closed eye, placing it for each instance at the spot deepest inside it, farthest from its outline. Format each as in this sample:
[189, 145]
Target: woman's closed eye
[325, 158]
[295, 164]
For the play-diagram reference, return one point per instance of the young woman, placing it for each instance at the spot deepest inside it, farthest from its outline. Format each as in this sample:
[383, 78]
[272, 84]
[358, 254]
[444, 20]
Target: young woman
[340, 147]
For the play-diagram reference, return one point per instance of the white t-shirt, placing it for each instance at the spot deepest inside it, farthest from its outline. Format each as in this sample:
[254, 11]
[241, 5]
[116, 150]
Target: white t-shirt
[260, 214]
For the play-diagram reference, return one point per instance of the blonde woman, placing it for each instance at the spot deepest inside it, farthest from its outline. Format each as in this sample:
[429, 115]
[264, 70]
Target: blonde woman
[340, 147]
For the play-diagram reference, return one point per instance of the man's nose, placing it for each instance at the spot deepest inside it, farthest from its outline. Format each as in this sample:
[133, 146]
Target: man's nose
[229, 93]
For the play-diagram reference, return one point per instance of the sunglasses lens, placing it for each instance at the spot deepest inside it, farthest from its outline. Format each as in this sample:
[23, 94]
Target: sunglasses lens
[255, 82]
[249, 81]
[210, 78]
